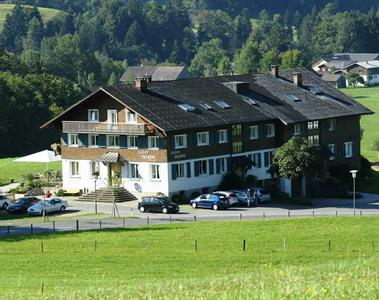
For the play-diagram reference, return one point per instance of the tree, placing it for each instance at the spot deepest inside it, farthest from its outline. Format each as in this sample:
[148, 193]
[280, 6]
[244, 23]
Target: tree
[354, 78]
[248, 59]
[297, 159]
[224, 66]
[268, 59]
[34, 35]
[112, 79]
[292, 58]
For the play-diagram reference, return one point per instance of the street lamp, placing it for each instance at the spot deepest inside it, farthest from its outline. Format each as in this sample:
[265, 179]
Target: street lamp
[95, 174]
[354, 175]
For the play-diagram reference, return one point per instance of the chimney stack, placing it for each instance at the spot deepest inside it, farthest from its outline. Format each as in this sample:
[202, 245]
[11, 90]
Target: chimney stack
[141, 83]
[275, 70]
[297, 79]
[149, 78]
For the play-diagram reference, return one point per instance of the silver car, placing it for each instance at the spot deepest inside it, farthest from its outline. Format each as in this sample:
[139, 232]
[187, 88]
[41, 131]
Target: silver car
[51, 205]
[4, 202]
[230, 196]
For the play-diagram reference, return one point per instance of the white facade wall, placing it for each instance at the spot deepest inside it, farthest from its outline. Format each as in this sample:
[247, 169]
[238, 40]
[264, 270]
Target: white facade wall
[373, 79]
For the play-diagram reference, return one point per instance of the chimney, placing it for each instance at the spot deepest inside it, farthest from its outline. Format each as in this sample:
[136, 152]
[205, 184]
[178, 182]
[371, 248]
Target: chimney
[149, 78]
[297, 79]
[141, 83]
[275, 70]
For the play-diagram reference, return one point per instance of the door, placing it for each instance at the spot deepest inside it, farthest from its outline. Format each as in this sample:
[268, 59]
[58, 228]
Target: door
[156, 205]
[112, 118]
[116, 174]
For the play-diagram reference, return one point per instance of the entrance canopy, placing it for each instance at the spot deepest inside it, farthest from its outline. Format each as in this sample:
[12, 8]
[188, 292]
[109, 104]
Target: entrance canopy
[110, 157]
[45, 156]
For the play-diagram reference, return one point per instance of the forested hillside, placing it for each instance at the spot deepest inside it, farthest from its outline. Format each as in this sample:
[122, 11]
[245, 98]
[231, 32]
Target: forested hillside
[90, 43]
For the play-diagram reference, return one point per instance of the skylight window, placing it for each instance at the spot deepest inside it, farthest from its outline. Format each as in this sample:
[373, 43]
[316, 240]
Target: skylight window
[249, 101]
[186, 107]
[292, 97]
[315, 90]
[222, 104]
[205, 106]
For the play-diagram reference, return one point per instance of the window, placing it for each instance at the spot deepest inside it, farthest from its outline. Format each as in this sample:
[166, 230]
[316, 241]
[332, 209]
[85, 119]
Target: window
[332, 149]
[93, 115]
[95, 169]
[254, 132]
[203, 167]
[153, 142]
[180, 141]
[112, 116]
[332, 124]
[73, 140]
[132, 142]
[222, 104]
[154, 171]
[348, 149]
[270, 130]
[222, 136]
[134, 173]
[236, 130]
[203, 138]
[297, 129]
[268, 156]
[74, 168]
[223, 165]
[313, 140]
[131, 117]
[93, 140]
[292, 97]
[237, 147]
[187, 107]
[257, 160]
[180, 170]
[313, 125]
[113, 141]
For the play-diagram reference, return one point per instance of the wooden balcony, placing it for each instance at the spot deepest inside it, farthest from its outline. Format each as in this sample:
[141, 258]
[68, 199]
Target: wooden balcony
[104, 128]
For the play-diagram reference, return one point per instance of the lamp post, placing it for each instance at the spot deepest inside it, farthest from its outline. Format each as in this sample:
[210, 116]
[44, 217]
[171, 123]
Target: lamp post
[96, 174]
[354, 175]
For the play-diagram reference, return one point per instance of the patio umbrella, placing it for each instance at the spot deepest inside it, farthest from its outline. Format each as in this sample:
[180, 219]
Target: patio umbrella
[45, 156]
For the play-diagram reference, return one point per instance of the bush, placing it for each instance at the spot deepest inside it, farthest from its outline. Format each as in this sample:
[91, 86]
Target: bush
[35, 192]
[195, 195]
[179, 199]
[230, 181]
[59, 193]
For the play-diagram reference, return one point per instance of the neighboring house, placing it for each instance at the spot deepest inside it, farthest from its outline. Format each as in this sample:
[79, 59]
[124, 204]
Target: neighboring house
[159, 73]
[339, 61]
[336, 79]
[367, 70]
[184, 135]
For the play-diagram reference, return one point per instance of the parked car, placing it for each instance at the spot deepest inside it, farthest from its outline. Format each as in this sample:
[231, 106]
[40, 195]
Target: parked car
[214, 201]
[50, 206]
[157, 204]
[21, 205]
[242, 197]
[230, 196]
[262, 194]
[4, 202]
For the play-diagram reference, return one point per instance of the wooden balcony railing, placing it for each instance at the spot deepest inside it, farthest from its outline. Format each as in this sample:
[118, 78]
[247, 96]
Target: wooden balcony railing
[103, 128]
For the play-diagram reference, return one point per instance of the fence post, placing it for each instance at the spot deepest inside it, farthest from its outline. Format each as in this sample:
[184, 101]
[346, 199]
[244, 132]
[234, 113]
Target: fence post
[100, 224]
[123, 223]
[289, 214]
[77, 225]
[95, 245]
[336, 213]
[264, 215]
[31, 229]
[42, 288]
[244, 245]
[313, 213]
[240, 216]
[42, 250]
[194, 218]
[330, 245]
[196, 246]
[54, 225]
[170, 219]
[148, 220]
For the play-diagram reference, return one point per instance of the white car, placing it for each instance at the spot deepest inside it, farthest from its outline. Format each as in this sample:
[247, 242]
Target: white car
[230, 196]
[263, 194]
[52, 205]
[4, 202]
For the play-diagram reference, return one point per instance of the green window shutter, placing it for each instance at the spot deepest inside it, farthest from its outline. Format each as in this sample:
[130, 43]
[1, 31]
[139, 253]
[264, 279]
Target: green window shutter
[65, 139]
[83, 140]
[211, 166]
[102, 140]
[197, 164]
[173, 171]
[218, 166]
[142, 142]
[188, 170]
[162, 143]
[123, 141]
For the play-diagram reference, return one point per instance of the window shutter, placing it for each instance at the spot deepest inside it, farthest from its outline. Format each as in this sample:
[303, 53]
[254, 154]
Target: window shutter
[83, 140]
[65, 139]
[211, 166]
[197, 168]
[162, 143]
[211, 137]
[102, 141]
[217, 136]
[261, 132]
[188, 170]
[142, 142]
[194, 138]
[123, 141]
[259, 160]
[218, 166]
[344, 150]
[266, 158]
[173, 171]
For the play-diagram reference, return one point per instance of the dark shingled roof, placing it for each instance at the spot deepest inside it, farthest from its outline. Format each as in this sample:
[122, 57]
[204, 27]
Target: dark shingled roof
[157, 73]
[342, 60]
[331, 77]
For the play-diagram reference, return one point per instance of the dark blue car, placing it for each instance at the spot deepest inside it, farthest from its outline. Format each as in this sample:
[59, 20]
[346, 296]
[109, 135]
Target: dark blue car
[213, 201]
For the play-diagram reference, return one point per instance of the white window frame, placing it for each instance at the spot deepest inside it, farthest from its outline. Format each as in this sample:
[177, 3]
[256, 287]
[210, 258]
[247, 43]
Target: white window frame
[180, 170]
[177, 139]
[199, 137]
[72, 169]
[155, 172]
[297, 129]
[134, 138]
[134, 171]
[131, 120]
[254, 132]
[90, 111]
[73, 140]
[332, 124]
[94, 167]
[312, 140]
[113, 136]
[348, 146]
[270, 132]
[222, 136]
[313, 125]
[90, 141]
[153, 142]
[203, 171]
[332, 146]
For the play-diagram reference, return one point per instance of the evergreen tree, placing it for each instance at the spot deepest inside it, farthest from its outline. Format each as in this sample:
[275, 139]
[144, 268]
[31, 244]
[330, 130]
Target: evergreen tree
[248, 59]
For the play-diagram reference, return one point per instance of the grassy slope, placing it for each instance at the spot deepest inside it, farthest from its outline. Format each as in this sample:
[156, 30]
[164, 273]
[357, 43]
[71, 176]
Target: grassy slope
[15, 170]
[370, 124]
[46, 13]
[160, 262]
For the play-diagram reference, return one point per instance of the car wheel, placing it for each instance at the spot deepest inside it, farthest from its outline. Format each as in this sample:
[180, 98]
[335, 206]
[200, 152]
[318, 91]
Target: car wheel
[142, 209]
[5, 205]
[164, 210]
[194, 205]
[62, 208]
[215, 207]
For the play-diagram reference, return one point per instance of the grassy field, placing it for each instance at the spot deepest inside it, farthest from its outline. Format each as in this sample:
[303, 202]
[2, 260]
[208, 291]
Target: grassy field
[46, 13]
[160, 262]
[10, 170]
[370, 124]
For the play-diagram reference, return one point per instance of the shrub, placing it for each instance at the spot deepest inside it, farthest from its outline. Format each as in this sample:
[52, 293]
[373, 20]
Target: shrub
[179, 199]
[230, 181]
[59, 193]
[195, 194]
[35, 192]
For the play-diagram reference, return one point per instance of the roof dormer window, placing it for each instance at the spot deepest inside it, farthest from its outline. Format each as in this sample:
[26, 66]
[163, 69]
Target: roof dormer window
[222, 104]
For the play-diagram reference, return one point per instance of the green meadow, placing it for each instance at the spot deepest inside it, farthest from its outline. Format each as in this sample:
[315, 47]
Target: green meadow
[319, 258]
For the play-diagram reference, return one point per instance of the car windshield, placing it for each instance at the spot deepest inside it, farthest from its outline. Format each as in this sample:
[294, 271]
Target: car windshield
[165, 200]
[21, 201]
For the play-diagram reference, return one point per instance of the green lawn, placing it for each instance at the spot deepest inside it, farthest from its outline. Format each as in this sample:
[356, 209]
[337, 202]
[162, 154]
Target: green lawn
[160, 262]
[46, 13]
[10, 170]
[369, 97]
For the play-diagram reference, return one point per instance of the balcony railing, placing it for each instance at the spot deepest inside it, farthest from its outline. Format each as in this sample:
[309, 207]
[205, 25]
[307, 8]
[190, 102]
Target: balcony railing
[104, 128]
